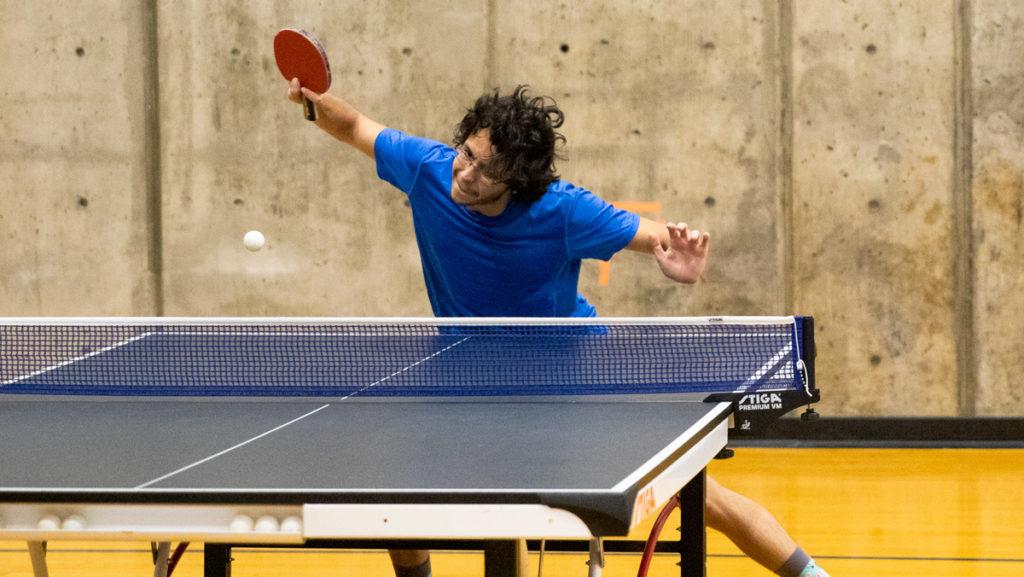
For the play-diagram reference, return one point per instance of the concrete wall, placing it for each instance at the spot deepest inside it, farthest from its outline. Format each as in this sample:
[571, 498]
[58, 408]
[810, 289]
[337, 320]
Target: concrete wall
[74, 210]
[873, 127]
[862, 162]
[996, 206]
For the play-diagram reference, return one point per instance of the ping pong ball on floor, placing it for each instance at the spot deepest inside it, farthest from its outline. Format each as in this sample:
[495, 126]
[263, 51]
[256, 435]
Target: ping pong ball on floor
[74, 523]
[241, 524]
[266, 524]
[291, 525]
[49, 523]
[253, 240]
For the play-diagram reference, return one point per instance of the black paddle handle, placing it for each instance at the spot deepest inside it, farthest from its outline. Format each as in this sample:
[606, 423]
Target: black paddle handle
[310, 109]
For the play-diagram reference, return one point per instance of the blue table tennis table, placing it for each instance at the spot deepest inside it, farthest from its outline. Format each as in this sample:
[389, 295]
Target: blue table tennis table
[421, 433]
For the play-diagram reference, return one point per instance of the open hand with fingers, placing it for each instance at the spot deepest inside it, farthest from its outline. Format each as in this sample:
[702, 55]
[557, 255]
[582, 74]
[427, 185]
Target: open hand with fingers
[686, 255]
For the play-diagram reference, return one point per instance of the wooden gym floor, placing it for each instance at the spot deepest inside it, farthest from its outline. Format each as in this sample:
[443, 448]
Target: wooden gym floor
[878, 512]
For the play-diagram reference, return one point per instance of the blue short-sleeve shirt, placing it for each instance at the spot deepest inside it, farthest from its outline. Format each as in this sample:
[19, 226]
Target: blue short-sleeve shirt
[524, 262]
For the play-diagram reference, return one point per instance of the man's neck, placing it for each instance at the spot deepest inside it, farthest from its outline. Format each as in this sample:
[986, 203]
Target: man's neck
[493, 208]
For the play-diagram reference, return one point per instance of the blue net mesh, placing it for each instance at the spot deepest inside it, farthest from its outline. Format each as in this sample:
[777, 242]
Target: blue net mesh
[344, 358]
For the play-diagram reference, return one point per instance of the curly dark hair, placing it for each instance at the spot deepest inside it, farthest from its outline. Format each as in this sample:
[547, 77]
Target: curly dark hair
[524, 138]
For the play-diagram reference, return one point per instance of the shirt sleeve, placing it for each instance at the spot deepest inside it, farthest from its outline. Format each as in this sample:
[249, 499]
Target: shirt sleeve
[400, 156]
[596, 229]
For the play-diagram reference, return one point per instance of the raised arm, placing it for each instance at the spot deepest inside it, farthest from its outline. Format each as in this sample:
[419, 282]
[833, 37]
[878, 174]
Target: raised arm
[339, 118]
[681, 253]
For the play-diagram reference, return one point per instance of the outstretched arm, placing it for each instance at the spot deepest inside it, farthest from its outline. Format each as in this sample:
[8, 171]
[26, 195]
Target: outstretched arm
[681, 253]
[339, 118]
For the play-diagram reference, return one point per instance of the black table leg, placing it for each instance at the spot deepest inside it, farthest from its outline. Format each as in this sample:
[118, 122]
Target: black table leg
[692, 530]
[216, 560]
[501, 559]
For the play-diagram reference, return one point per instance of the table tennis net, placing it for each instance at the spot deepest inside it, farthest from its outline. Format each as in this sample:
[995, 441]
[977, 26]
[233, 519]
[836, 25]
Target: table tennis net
[247, 357]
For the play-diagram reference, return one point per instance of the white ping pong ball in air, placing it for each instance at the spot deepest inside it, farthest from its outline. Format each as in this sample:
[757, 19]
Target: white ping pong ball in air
[254, 240]
[49, 523]
[241, 524]
[266, 524]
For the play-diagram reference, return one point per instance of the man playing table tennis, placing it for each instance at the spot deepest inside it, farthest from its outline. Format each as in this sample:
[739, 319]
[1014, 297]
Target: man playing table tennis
[500, 235]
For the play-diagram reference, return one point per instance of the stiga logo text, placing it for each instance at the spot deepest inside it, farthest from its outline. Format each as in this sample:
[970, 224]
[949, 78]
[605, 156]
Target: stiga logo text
[760, 402]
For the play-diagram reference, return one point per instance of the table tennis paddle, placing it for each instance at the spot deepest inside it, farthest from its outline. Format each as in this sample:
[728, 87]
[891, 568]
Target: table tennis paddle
[300, 55]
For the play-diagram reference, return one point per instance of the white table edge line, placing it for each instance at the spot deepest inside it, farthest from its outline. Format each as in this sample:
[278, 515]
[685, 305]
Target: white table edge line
[676, 443]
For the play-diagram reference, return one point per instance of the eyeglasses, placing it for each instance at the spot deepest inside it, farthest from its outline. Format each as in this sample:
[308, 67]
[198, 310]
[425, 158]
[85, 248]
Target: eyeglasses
[485, 169]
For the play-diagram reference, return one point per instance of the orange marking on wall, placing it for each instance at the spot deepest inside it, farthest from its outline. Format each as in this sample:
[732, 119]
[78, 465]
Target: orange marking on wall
[651, 208]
